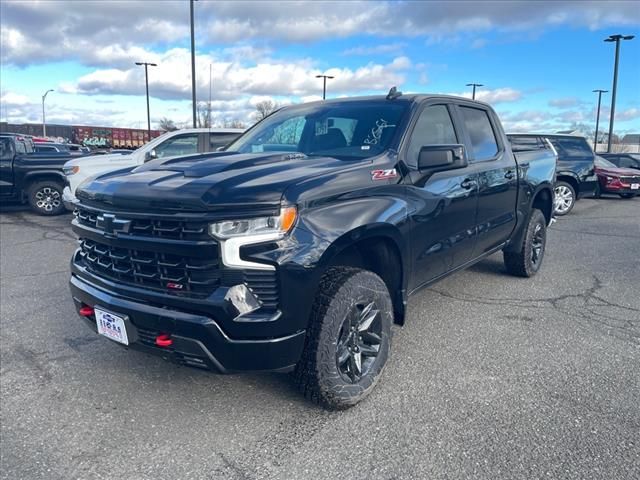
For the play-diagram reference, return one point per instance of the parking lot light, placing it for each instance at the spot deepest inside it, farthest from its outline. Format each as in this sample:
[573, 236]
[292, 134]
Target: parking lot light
[595, 140]
[146, 81]
[614, 38]
[44, 123]
[324, 84]
[474, 85]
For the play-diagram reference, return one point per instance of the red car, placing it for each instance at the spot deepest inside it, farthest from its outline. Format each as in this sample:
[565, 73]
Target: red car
[611, 179]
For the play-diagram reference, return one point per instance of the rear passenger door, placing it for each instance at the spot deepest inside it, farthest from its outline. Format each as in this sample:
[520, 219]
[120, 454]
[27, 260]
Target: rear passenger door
[497, 177]
[443, 219]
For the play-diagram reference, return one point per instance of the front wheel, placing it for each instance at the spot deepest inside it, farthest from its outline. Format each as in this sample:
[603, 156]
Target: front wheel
[348, 339]
[527, 260]
[564, 198]
[627, 195]
[45, 198]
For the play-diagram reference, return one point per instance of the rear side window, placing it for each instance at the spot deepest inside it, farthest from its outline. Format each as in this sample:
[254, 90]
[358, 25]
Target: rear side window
[572, 147]
[20, 148]
[483, 139]
[217, 140]
[526, 143]
[434, 127]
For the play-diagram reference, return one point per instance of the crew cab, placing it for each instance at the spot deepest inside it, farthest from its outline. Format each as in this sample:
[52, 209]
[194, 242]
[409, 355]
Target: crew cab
[297, 247]
[35, 178]
[575, 170]
[179, 142]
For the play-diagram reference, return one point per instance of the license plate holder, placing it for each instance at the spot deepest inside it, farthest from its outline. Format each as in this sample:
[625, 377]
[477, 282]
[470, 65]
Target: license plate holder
[112, 325]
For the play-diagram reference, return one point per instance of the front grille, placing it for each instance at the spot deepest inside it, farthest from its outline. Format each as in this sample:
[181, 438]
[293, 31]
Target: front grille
[133, 255]
[151, 269]
[168, 229]
[630, 179]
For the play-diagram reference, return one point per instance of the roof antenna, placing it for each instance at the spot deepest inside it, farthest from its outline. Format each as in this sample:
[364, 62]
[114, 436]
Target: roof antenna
[393, 93]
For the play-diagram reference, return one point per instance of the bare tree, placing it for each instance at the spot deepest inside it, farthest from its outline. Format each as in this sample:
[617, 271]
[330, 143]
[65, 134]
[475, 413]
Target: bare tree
[234, 124]
[167, 125]
[203, 114]
[265, 108]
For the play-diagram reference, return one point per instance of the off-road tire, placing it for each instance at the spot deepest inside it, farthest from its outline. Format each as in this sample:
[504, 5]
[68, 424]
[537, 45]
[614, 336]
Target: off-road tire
[563, 187]
[521, 263]
[45, 197]
[318, 374]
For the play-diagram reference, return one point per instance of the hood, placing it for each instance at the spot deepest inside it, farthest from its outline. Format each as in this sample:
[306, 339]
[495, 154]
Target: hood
[617, 171]
[216, 182]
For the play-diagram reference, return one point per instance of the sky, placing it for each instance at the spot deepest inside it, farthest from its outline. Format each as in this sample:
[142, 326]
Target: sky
[538, 60]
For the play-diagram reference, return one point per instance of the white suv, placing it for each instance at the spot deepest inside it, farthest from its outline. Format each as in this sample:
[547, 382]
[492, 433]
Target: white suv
[170, 144]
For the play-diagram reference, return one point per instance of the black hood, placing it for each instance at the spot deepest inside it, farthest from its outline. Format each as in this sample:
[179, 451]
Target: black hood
[246, 182]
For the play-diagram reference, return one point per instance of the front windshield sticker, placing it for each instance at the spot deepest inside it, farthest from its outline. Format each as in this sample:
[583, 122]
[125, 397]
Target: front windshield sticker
[376, 132]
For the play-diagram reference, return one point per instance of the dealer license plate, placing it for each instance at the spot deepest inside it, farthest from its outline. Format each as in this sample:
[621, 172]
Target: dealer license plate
[635, 186]
[111, 326]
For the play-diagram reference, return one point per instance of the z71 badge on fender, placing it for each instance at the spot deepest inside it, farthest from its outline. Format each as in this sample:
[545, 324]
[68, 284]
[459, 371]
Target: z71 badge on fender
[383, 174]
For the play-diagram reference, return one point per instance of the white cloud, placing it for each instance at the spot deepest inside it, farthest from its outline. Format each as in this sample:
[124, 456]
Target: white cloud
[499, 95]
[382, 49]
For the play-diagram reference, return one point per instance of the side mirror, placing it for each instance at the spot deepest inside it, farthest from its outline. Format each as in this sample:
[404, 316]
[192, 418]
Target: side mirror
[443, 157]
[150, 155]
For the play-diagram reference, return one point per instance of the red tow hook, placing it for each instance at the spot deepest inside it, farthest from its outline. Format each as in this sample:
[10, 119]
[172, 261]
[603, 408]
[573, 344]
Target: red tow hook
[164, 340]
[86, 311]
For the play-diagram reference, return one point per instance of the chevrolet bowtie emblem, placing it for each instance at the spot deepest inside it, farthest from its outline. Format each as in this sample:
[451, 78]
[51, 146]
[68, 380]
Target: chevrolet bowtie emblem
[112, 225]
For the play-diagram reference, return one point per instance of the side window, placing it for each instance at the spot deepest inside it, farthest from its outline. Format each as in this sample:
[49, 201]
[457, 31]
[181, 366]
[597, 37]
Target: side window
[434, 127]
[572, 147]
[217, 140]
[6, 149]
[181, 145]
[625, 162]
[483, 139]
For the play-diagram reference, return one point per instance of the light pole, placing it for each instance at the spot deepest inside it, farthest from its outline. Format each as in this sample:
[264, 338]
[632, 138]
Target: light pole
[44, 123]
[474, 85]
[193, 65]
[146, 81]
[614, 38]
[595, 140]
[324, 84]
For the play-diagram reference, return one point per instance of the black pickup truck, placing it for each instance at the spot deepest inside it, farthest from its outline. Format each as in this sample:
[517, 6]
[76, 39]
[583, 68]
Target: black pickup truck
[33, 177]
[297, 247]
[575, 172]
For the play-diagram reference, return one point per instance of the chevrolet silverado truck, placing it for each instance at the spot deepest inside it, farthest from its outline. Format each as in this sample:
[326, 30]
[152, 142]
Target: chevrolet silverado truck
[297, 247]
[35, 178]
[575, 171]
[169, 144]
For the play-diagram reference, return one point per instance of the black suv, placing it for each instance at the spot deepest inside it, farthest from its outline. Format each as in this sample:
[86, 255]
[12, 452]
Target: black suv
[575, 174]
[299, 246]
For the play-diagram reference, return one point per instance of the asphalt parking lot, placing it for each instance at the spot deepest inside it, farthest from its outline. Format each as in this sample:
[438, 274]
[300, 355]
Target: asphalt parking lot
[492, 377]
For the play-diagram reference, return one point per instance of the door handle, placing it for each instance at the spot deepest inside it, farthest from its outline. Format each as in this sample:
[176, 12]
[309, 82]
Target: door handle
[510, 175]
[468, 183]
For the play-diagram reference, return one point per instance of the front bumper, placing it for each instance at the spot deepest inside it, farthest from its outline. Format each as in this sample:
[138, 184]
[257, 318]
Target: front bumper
[69, 199]
[198, 340]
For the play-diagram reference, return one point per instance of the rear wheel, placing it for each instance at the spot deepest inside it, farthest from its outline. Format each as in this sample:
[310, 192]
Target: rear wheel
[527, 260]
[348, 339]
[627, 195]
[564, 198]
[45, 197]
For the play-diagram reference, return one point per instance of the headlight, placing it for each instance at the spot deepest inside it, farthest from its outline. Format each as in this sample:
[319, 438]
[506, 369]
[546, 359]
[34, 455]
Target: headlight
[277, 225]
[70, 170]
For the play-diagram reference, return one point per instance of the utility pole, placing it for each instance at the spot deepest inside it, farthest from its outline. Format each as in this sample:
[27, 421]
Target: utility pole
[44, 123]
[614, 38]
[146, 81]
[474, 85]
[193, 65]
[324, 84]
[595, 140]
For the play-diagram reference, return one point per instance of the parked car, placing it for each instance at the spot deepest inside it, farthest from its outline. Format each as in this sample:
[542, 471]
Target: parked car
[299, 245]
[575, 174]
[179, 142]
[612, 179]
[36, 178]
[624, 160]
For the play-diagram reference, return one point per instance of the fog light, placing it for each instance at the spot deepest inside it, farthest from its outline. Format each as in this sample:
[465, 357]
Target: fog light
[243, 299]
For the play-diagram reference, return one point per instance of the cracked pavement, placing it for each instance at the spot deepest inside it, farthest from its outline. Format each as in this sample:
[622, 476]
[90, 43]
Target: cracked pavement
[492, 377]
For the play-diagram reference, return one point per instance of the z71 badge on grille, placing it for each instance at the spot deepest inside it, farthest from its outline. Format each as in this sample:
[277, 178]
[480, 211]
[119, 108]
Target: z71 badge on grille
[383, 174]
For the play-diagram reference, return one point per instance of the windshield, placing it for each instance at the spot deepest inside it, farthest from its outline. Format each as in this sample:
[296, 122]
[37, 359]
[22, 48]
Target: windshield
[349, 130]
[603, 163]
